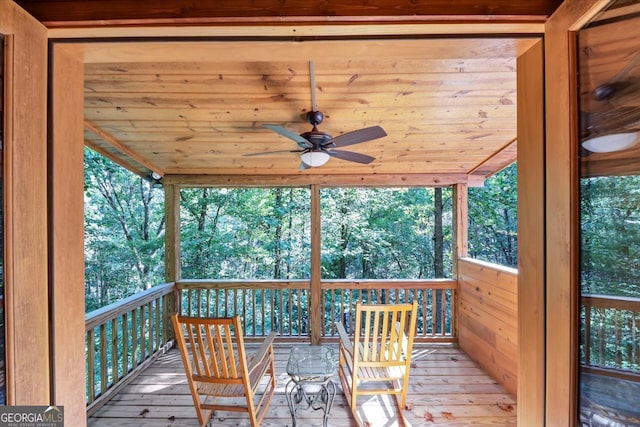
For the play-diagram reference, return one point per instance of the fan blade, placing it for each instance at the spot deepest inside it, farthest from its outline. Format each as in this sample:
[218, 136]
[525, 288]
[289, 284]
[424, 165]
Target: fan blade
[356, 137]
[303, 143]
[351, 156]
[271, 152]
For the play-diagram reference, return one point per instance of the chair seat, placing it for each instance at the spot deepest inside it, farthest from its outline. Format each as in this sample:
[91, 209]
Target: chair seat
[224, 389]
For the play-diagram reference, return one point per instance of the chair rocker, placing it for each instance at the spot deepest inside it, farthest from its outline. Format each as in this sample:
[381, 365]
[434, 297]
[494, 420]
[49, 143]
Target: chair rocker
[221, 375]
[379, 358]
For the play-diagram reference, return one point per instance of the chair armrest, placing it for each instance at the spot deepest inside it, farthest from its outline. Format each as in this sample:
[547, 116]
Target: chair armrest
[260, 354]
[345, 341]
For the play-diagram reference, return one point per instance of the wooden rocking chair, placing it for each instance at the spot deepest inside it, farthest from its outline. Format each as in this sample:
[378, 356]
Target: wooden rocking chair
[380, 360]
[217, 367]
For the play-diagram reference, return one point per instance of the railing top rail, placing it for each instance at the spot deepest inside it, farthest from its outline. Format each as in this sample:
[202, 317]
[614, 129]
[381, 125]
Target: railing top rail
[112, 311]
[241, 284]
[390, 284]
[326, 284]
[611, 301]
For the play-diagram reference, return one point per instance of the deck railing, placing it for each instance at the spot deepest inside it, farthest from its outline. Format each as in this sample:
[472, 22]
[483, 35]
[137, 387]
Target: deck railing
[283, 306]
[611, 334]
[265, 306]
[122, 338]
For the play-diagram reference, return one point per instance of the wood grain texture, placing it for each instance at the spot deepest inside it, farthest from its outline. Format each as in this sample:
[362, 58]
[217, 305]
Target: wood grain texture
[443, 380]
[25, 207]
[72, 12]
[173, 270]
[531, 304]
[448, 105]
[488, 318]
[67, 238]
[561, 206]
[316, 273]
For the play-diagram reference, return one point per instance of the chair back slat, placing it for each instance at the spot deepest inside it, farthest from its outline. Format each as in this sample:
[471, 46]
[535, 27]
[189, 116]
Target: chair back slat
[216, 347]
[382, 332]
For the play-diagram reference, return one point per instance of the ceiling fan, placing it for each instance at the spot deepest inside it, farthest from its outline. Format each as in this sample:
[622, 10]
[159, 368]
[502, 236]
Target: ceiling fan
[615, 126]
[317, 147]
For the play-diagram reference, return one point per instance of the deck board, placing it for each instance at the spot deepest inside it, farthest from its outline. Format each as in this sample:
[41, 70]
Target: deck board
[445, 383]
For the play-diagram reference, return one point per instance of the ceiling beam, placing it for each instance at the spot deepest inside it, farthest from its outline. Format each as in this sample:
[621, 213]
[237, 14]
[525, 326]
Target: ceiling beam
[125, 12]
[114, 158]
[298, 180]
[120, 147]
[497, 161]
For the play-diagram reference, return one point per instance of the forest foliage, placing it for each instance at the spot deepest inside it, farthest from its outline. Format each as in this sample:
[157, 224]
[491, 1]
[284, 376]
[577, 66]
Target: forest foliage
[264, 233]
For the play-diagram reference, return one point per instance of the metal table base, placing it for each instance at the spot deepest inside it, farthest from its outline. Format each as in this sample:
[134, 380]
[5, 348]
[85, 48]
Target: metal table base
[311, 369]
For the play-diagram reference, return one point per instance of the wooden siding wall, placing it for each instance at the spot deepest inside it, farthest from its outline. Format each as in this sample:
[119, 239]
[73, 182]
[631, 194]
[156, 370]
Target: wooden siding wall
[488, 318]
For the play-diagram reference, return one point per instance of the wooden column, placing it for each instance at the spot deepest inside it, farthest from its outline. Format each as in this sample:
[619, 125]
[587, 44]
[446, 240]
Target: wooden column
[25, 207]
[561, 207]
[173, 269]
[531, 304]
[316, 290]
[460, 224]
[66, 192]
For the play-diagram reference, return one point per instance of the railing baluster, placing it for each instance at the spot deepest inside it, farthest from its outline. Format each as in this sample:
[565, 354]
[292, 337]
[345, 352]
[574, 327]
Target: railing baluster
[91, 357]
[208, 302]
[253, 295]
[114, 351]
[103, 358]
[443, 312]
[280, 311]
[134, 337]
[244, 309]
[125, 344]
[263, 299]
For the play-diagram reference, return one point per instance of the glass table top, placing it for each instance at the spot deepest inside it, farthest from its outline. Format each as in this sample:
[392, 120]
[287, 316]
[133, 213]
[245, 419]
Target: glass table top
[311, 360]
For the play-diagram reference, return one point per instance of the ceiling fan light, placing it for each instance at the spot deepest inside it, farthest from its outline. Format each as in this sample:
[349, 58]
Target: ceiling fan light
[314, 158]
[611, 143]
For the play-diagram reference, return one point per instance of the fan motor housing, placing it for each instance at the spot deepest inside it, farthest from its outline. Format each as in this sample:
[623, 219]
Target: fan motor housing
[317, 138]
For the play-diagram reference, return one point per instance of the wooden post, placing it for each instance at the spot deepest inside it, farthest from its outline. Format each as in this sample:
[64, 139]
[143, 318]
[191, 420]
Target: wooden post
[530, 236]
[173, 271]
[316, 286]
[66, 189]
[24, 148]
[460, 224]
[561, 205]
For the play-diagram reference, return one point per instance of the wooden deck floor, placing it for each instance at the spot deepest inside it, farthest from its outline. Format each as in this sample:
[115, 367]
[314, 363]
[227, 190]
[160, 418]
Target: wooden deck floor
[445, 386]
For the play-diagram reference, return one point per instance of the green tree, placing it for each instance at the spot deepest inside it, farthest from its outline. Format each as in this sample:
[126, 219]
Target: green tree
[124, 232]
[493, 222]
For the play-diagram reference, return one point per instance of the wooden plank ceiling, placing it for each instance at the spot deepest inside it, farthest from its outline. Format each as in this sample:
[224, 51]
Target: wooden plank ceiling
[447, 105]
[195, 108]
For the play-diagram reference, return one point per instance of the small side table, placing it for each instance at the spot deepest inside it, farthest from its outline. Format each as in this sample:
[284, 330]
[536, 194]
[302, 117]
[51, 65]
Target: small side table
[311, 369]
